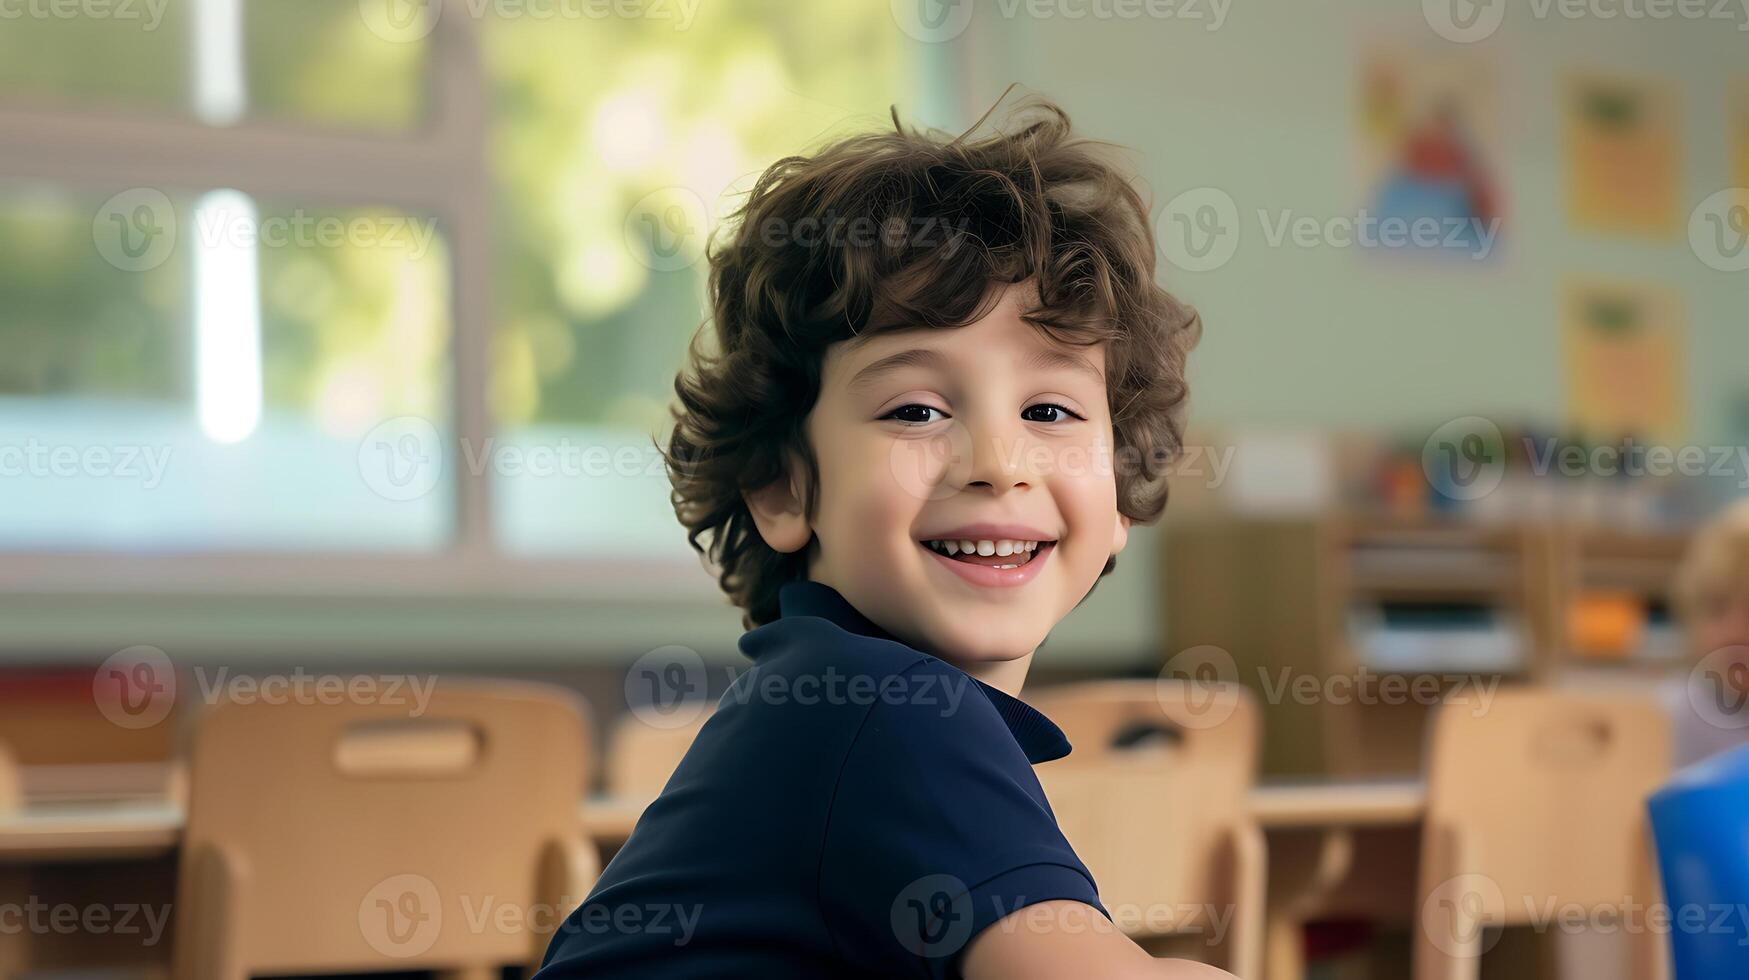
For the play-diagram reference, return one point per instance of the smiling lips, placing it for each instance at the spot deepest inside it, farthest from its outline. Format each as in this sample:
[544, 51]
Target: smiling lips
[990, 555]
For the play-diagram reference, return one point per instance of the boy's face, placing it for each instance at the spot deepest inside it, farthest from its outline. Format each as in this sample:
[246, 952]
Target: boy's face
[985, 433]
[1723, 621]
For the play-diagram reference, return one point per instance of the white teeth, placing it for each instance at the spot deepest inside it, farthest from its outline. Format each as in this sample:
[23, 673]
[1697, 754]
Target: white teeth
[1000, 548]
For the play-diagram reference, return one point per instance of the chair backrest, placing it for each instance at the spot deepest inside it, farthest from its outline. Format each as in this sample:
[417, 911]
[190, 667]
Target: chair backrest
[88, 716]
[1155, 795]
[642, 755]
[371, 836]
[9, 794]
[1546, 793]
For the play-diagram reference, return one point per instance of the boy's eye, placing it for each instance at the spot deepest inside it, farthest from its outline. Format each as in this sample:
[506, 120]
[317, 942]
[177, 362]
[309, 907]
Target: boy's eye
[1046, 412]
[913, 414]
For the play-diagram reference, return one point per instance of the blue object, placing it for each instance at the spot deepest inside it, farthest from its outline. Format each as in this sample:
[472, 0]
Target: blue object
[1407, 198]
[1701, 822]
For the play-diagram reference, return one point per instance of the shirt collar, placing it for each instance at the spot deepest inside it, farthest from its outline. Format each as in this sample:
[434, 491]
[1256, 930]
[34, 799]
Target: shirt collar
[1039, 737]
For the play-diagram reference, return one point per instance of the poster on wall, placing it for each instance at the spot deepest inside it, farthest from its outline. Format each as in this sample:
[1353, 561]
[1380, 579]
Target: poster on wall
[1737, 130]
[1623, 155]
[1430, 150]
[1624, 350]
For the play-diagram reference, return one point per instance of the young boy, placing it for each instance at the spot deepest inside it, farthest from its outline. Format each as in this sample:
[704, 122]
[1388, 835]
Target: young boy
[944, 384]
[1709, 706]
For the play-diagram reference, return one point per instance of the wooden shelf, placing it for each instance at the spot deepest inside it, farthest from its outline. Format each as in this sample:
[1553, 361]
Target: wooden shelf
[1278, 593]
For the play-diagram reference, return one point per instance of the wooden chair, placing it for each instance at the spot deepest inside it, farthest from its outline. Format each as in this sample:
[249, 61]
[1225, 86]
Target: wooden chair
[1155, 799]
[79, 717]
[348, 838]
[641, 756]
[14, 884]
[9, 793]
[1535, 806]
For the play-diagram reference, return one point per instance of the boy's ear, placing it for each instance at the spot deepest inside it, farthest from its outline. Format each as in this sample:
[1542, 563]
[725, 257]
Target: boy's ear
[1120, 533]
[778, 512]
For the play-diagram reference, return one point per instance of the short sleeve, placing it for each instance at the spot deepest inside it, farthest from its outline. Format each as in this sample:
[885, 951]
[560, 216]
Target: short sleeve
[937, 830]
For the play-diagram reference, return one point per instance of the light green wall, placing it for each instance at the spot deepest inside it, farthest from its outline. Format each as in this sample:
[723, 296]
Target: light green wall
[1265, 108]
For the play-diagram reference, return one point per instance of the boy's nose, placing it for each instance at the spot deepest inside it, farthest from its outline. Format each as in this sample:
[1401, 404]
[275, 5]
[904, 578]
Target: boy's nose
[999, 463]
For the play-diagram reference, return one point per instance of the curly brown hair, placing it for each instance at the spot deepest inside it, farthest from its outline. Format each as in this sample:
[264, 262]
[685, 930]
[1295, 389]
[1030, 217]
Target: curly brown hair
[907, 230]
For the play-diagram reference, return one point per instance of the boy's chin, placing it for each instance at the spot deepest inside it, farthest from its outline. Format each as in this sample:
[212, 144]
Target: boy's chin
[969, 651]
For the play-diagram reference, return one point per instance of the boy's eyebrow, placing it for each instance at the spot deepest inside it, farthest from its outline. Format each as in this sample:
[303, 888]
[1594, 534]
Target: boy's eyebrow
[1042, 359]
[924, 357]
[1046, 358]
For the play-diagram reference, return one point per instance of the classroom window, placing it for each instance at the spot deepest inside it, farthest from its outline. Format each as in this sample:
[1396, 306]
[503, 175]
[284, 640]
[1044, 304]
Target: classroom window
[265, 363]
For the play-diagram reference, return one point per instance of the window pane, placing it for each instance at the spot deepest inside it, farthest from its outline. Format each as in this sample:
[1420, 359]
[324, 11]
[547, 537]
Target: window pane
[199, 372]
[338, 63]
[129, 55]
[310, 61]
[604, 130]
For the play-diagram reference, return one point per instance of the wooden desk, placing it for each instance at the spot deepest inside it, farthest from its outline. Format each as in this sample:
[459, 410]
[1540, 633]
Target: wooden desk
[610, 821]
[107, 829]
[1315, 831]
[90, 831]
[1331, 804]
[1336, 850]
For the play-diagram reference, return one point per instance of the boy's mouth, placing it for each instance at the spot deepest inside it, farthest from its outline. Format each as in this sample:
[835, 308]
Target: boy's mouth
[1006, 553]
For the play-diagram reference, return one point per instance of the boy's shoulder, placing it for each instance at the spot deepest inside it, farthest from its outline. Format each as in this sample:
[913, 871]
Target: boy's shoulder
[808, 661]
[823, 652]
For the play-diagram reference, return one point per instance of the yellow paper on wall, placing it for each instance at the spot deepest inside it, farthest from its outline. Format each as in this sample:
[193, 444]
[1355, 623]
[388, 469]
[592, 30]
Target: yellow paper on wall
[1623, 155]
[1737, 130]
[1624, 349]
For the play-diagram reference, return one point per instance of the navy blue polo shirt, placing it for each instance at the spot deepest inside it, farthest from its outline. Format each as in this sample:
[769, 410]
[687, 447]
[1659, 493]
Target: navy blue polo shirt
[854, 807]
